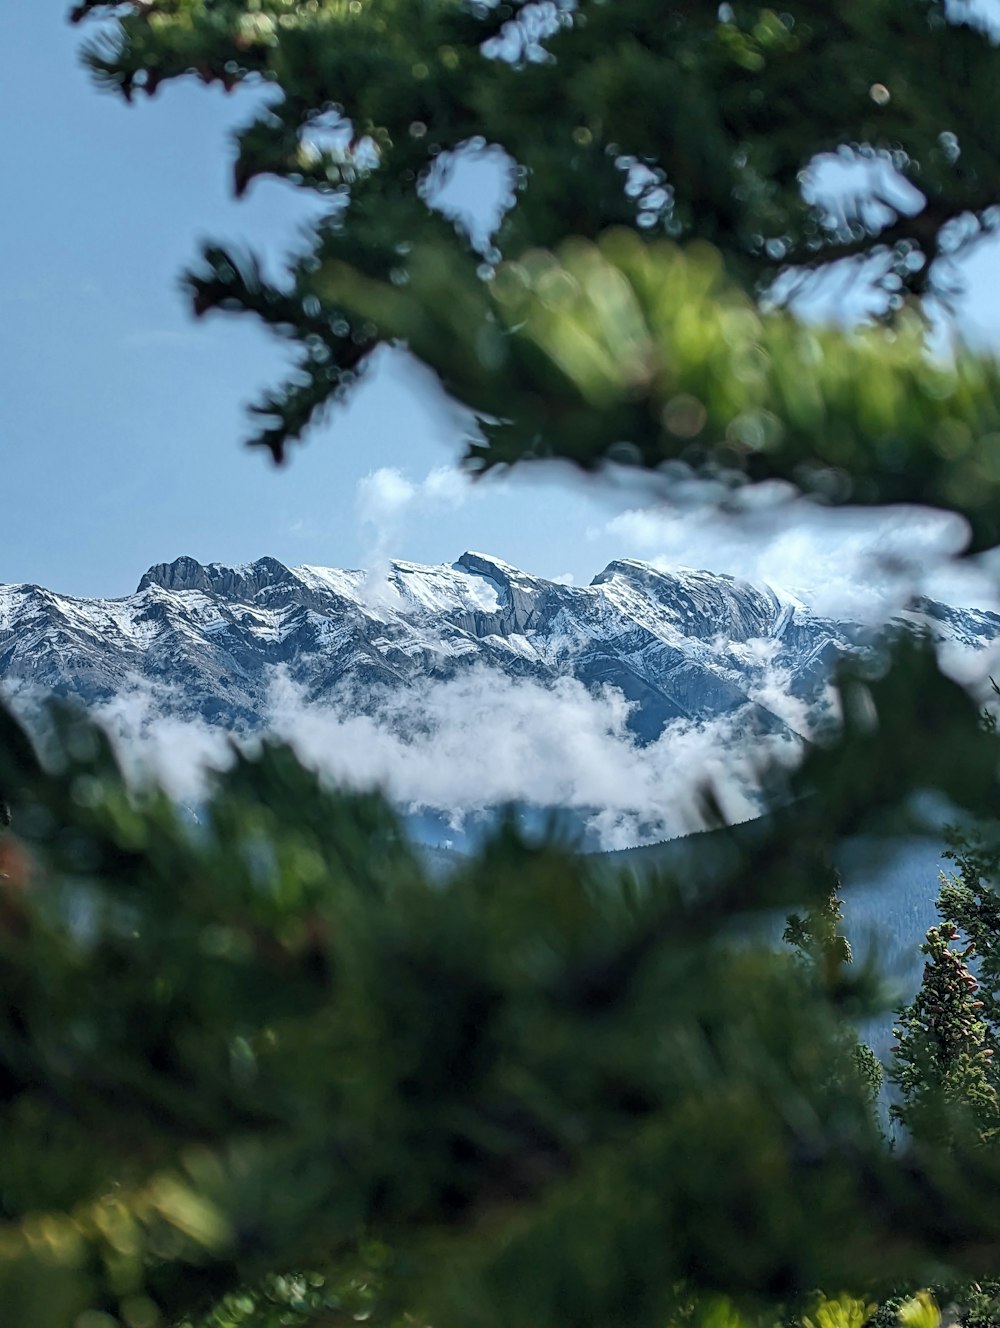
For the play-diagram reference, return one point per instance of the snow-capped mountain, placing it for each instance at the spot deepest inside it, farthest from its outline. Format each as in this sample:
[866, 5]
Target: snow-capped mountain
[687, 645]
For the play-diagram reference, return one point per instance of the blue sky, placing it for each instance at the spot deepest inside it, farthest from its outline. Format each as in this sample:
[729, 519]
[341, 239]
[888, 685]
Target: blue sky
[121, 419]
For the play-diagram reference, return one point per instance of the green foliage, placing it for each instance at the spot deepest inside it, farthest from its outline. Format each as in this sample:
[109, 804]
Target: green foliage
[648, 353]
[843, 1312]
[265, 1070]
[945, 1052]
[564, 336]
[825, 950]
[968, 897]
[306, 1300]
[817, 935]
[920, 1311]
[539, 1092]
[981, 1305]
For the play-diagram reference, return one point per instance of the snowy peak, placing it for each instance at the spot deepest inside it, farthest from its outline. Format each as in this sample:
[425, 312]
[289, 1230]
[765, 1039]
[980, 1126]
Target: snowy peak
[495, 569]
[347, 585]
[701, 604]
[443, 591]
[520, 596]
[244, 582]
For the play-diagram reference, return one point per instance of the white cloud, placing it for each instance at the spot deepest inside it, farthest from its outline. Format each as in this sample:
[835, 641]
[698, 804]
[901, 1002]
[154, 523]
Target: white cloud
[154, 744]
[850, 563]
[470, 743]
[773, 691]
[387, 501]
[386, 495]
[466, 745]
[383, 495]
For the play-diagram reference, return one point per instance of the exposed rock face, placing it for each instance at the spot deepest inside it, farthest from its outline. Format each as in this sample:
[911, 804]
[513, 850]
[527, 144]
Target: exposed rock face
[237, 583]
[682, 644]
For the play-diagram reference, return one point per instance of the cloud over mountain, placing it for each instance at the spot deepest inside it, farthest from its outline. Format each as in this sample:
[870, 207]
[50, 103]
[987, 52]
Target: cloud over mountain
[459, 687]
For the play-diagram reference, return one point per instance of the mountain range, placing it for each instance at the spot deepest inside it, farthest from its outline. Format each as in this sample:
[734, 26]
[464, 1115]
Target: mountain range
[682, 644]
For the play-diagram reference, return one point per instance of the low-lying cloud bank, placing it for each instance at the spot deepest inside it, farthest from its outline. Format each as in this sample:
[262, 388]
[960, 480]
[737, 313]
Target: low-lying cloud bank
[482, 739]
[464, 745]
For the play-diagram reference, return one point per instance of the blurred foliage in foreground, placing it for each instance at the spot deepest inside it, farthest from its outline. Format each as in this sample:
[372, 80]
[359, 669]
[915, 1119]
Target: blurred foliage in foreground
[266, 1070]
[265, 1064]
[774, 142]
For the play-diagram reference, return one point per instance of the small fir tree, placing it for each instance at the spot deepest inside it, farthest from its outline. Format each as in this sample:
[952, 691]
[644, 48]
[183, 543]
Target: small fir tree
[968, 897]
[943, 1062]
[824, 948]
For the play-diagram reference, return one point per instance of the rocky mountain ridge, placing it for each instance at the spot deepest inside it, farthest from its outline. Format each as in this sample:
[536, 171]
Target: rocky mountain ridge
[680, 645]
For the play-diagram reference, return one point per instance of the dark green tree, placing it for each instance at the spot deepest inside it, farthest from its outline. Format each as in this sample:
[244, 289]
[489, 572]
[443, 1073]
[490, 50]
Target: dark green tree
[826, 951]
[968, 896]
[943, 1066]
[817, 935]
[943, 1062]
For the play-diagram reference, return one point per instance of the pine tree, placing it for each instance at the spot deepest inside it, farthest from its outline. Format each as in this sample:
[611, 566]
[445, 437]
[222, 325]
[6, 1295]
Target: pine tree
[826, 951]
[943, 1069]
[943, 1063]
[817, 935]
[969, 897]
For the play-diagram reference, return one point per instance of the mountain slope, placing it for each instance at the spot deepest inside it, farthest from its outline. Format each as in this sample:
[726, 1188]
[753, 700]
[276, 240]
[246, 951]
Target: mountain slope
[684, 645]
